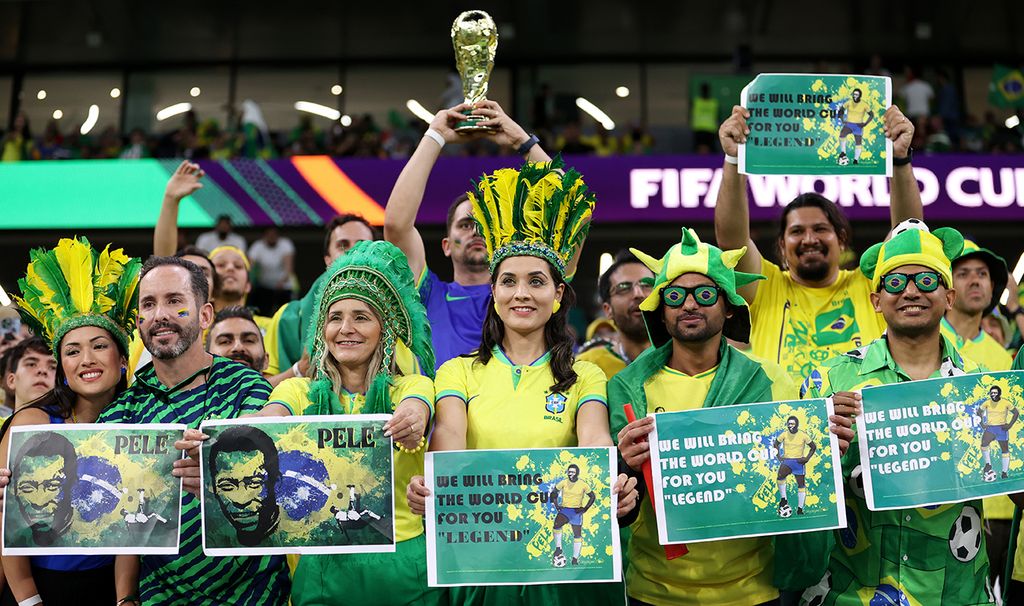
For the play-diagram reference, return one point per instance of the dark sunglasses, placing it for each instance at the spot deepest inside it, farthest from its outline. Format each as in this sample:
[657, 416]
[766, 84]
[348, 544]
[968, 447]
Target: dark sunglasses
[675, 296]
[926, 281]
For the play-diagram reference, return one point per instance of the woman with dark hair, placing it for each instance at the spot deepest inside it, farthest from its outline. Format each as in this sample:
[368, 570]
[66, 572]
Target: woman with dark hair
[526, 389]
[85, 303]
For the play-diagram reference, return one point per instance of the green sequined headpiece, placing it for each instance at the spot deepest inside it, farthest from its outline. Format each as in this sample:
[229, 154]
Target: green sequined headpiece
[378, 274]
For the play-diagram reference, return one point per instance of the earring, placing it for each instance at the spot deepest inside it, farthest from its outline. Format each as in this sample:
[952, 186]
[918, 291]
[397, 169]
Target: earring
[495, 307]
[557, 305]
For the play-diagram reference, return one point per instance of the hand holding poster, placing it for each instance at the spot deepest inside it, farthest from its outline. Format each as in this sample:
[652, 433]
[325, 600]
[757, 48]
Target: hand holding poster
[746, 470]
[92, 489]
[816, 124]
[521, 517]
[314, 484]
[942, 440]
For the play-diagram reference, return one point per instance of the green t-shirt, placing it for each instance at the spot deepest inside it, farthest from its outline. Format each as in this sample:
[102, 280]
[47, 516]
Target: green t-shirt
[900, 556]
[190, 578]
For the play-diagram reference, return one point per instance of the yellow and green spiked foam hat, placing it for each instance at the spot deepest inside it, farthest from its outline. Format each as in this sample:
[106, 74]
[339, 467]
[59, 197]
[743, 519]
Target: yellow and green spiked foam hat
[539, 210]
[75, 285]
[912, 243]
[693, 256]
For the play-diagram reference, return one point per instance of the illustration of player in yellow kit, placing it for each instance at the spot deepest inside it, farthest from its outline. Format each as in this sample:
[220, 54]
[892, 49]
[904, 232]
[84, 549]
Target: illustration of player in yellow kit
[855, 114]
[795, 448]
[996, 424]
[570, 511]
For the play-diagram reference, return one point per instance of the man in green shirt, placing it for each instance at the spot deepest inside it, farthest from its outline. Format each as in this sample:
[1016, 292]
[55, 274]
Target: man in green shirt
[901, 556]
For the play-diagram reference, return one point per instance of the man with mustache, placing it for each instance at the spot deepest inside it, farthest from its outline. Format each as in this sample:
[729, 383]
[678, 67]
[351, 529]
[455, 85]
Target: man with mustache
[456, 309]
[185, 384]
[235, 335]
[622, 287]
[808, 308]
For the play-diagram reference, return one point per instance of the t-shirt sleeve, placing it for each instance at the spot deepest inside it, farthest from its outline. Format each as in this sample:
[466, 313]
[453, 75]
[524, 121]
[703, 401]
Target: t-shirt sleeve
[417, 387]
[255, 396]
[292, 394]
[453, 379]
[764, 294]
[591, 384]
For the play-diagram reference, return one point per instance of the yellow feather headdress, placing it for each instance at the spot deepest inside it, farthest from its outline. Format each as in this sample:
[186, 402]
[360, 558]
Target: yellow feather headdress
[75, 285]
[539, 210]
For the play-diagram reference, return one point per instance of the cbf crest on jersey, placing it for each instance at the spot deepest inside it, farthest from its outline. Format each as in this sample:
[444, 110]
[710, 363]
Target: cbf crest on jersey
[555, 403]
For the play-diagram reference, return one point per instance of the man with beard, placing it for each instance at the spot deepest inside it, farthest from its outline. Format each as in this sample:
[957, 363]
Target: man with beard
[622, 287]
[245, 470]
[456, 309]
[185, 384]
[808, 309]
[235, 335]
[43, 474]
[904, 555]
[691, 311]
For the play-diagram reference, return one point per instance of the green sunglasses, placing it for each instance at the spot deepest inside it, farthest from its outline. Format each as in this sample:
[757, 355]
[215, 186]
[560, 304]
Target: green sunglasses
[926, 281]
[675, 296]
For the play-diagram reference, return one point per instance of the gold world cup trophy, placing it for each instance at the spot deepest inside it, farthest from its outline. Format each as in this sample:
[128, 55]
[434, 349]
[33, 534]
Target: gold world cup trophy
[475, 38]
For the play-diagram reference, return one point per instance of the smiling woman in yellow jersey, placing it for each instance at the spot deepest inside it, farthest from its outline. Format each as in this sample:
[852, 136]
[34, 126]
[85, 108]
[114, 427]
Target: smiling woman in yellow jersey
[365, 307]
[522, 388]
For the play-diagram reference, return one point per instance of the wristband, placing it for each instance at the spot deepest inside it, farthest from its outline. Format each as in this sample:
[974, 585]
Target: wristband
[32, 601]
[732, 159]
[296, 371]
[527, 145]
[436, 136]
[128, 598]
[903, 161]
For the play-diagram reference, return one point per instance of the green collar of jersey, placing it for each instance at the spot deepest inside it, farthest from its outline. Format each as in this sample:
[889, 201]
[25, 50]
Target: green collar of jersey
[499, 354]
[878, 357]
[147, 376]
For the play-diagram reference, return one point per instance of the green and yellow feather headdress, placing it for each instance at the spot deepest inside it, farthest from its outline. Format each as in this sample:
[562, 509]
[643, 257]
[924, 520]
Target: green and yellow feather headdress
[75, 285]
[539, 211]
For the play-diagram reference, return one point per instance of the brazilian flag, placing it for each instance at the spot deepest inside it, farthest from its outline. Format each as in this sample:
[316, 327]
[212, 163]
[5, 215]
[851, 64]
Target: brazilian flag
[1007, 87]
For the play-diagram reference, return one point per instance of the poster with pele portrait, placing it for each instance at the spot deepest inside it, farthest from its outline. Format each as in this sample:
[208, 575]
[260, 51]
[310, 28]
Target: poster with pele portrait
[307, 484]
[92, 489]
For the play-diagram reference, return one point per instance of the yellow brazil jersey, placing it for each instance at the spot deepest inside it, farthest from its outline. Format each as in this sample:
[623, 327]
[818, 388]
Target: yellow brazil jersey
[511, 406]
[606, 359]
[857, 111]
[735, 572]
[293, 395]
[983, 349]
[798, 327]
[794, 445]
[573, 494]
[997, 413]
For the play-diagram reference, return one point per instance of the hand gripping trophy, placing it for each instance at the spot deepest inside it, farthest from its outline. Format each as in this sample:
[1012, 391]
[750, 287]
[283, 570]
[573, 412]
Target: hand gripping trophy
[475, 38]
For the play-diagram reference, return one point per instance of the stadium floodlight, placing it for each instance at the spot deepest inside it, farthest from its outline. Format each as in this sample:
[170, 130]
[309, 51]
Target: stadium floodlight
[173, 110]
[419, 111]
[336, 90]
[1018, 273]
[195, 91]
[57, 114]
[346, 120]
[1012, 122]
[115, 93]
[91, 119]
[595, 112]
[41, 95]
[320, 110]
[622, 91]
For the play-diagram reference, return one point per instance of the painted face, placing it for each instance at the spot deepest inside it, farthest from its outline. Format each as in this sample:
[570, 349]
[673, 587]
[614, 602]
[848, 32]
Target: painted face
[40, 489]
[32, 377]
[692, 322]
[91, 361]
[352, 332]
[344, 237]
[525, 293]
[913, 312]
[240, 485]
[240, 340]
[234, 278]
[973, 285]
[810, 244]
[463, 244]
[626, 294]
[169, 319]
